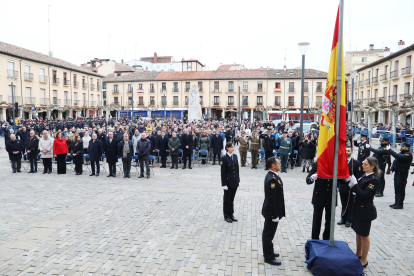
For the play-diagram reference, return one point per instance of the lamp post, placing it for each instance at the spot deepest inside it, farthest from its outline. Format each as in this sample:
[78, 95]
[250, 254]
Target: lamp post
[240, 111]
[163, 102]
[132, 104]
[303, 47]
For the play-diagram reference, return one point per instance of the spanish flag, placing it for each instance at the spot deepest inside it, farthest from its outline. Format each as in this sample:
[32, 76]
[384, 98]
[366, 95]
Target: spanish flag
[326, 139]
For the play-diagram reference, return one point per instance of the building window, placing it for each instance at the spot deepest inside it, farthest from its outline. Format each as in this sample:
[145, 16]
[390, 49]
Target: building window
[188, 65]
[246, 100]
[259, 86]
[216, 100]
[152, 90]
[141, 100]
[164, 86]
[200, 85]
[175, 88]
[129, 100]
[259, 100]
[187, 86]
[306, 88]
[115, 88]
[364, 59]
[319, 100]
[230, 100]
[231, 86]
[319, 87]
[129, 88]
[277, 100]
[175, 100]
[277, 85]
[140, 86]
[216, 86]
[306, 101]
[118, 75]
[152, 100]
[291, 101]
[10, 70]
[186, 99]
[245, 86]
[164, 100]
[291, 87]
[201, 99]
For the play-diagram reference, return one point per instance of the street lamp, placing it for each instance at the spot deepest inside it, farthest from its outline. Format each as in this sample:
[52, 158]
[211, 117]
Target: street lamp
[164, 101]
[303, 47]
[132, 104]
[240, 111]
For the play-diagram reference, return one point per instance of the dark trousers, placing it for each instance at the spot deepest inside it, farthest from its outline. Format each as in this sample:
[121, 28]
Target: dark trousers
[174, 161]
[347, 206]
[228, 202]
[284, 161]
[126, 165]
[243, 156]
[112, 168]
[400, 182]
[317, 221]
[187, 156]
[292, 161]
[141, 165]
[269, 231]
[78, 167]
[214, 158]
[33, 161]
[47, 164]
[164, 161]
[93, 164]
[268, 154]
[16, 164]
[381, 185]
[61, 163]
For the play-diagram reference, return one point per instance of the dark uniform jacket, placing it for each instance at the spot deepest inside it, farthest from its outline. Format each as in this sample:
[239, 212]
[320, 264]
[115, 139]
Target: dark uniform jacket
[162, 145]
[230, 171]
[363, 151]
[274, 203]
[78, 150]
[153, 142]
[102, 138]
[111, 150]
[32, 145]
[216, 144]
[23, 135]
[365, 190]
[187, 140]
[382, 155]
[402, 161]
[322, 192]
[354, 169]
[15, 145]
[95, 150]
[269, 142]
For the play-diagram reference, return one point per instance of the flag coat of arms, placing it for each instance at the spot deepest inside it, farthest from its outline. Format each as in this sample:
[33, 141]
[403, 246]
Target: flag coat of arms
[326, 139]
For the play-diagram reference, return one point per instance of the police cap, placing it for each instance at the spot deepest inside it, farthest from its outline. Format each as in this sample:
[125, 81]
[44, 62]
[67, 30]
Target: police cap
[385, 139]
[364, 135]
[405, 144]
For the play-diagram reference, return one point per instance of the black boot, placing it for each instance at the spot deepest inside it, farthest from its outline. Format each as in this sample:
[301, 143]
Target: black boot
[303, 169]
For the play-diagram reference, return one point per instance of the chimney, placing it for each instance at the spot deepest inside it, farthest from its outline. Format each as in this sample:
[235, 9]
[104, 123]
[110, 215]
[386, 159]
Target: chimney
[155, 57]
[401, 45]
[122, 61]
[386, 52]
[371, 47]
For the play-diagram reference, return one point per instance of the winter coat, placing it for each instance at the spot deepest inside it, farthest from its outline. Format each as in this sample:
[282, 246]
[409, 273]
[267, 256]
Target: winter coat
[216, 143]
[174, 143]
[95, 150]
[135, 139]
[69, 143]
[187, 140]
[162, 146]
[32, 144]
[143, 149]
[111, 150]
[46, 144]
[204, 143]
[121, 151]
[153, 141]
[308, 150]
[195, 142]
[78, 150]
[15, 145]
[60, 146]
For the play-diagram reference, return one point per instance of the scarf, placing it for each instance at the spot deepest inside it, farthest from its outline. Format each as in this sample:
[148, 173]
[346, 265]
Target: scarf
[126, 149]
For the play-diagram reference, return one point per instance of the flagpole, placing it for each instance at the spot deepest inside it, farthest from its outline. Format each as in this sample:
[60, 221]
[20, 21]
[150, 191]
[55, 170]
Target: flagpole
[337, 123]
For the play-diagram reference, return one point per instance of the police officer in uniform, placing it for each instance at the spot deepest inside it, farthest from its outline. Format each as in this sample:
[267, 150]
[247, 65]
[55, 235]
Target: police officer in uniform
[363, 151]
[383, 158]
[284, 150]
[273, 209]
[269, 144]
[243, 148]
[400, 167]
[254, 147]
[321, 199]
[230, 180]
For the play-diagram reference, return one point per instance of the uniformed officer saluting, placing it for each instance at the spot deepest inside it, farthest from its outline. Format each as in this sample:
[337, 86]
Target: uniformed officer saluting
[273, 209]
[363, 151]
[254, 147]
[269, 144]
[230, 180]
[383, 158]
[244, 146]
[400, 166]
[284, 150]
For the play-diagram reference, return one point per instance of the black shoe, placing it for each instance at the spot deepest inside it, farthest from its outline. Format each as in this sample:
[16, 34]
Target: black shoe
[19, 171]
[148, 177]
[31, 172]
[255, 168]
[252, 168]
[273, 262]
[176, 168]
[228, 220]
[392, 205]
[233, 218]
[348, 224]
[14, 171]
[109, 175]
[213, 163]
[243, 165]
[141, 176]
[342, 221]
[291, 168]
[97, 174]
[276, 254]
[303, 169]
[365, 265]
[44, 173]
[398, 207]
[190, 168]
[307, 169]
[114, 175]
[125, 176]
[92, 174]
[128, 176]
[379, 195]
[172, 168]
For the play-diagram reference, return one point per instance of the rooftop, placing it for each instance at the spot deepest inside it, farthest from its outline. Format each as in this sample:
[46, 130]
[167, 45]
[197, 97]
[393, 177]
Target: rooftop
[119, 67]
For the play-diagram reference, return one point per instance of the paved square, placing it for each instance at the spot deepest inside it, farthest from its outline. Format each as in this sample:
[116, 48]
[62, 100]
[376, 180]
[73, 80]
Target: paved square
[172, 224]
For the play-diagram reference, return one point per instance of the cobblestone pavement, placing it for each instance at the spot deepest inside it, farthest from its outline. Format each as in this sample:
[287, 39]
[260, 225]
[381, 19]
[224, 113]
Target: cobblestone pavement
[172, 224]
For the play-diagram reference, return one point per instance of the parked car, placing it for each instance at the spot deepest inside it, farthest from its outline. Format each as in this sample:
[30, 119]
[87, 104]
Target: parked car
[307, 127]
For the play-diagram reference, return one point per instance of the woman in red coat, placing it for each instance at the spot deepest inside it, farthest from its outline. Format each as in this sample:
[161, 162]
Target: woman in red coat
[60, 149]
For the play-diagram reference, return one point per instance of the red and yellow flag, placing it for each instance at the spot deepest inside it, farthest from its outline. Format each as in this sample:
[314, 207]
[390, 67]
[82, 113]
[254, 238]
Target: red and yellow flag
[326, 139]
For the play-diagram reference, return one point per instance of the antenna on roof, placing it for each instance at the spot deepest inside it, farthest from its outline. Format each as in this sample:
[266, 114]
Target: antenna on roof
[48, 20]
[284, 66]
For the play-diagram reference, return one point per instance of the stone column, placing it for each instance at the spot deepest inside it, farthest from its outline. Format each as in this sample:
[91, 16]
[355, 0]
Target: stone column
[60, 114]
[149, 113]
[251, 115]
[48, 113]
[107, 114]
[3, 114]
[78, 114]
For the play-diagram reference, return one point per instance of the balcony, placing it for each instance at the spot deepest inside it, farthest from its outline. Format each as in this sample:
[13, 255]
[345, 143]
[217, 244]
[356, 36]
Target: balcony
[98, 87]
[151, 90]
[216, 90]
[317, 103]
[216, 103]
[66, 82]
[43, 79]
[277, 103]
[76, 84]
[365, 101]
[259, 103]
[229, 103]
[383, 77]
[16, 99]
[361, 83]
[92, 86]
[28, 76]
[75, 102]
[175, 89]
[402, 97]
[306, 89]
[394, 74]
[163, 90]
[84, 85]
[187, 89]
[44, 101]
[30, 100]
[11, 74]
[151, 103]
[175, 103]
[367, 82]
[129, 90]
[230, 90]
[392, 98]
[291, 104]
[56, 101]
[374, 80]
[259, 90]
[292, 89]
[373, 99]
[406, 71]
[381, 99]
[115, 103]
[85, 103]
[245, 103]
[67, 101]
[55, 81]
[319, 89]
[93, 103]
[115, 91]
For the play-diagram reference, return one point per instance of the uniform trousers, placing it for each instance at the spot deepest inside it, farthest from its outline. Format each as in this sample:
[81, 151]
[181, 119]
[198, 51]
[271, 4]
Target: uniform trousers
[228, 202]
[243, 156]
[400, 182]
[112, 168]
[187, 156]
[268, 235]
[317, 221]
[347, 206]
[255, 154]
[218, 156]
[126, 165]
[164, 161]
[381, 185]
[284, 161]
[268, 154]
[93, 164]
[61, 163]
[33, 161]
[47, 165]
[16, 164]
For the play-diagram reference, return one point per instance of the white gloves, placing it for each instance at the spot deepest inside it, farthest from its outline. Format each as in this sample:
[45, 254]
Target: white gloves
[352, 182]
[225, 188]
[348, 179]
[276, 219]
[367, 146]
[388, 147]
[314, 176]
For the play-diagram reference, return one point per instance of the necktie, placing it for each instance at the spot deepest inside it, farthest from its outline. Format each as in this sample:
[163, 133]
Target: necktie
[231, 157]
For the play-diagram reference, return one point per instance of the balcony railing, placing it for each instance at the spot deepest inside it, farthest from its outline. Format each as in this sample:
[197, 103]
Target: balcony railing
[76, 84]
[92, 86]
[163, 90]
[229, 103]
[290, 104]
[55, 100]
[402, 97]
[317, 103]
[382, 99]
[306, 89]
[85, 103]
[187, 89]
[375, 99]
[76, 102]
[174, 102]
[67, 101]
[245, 103]
[16, 99]
[129, 90]
[98, 87]
[364, 101]
[383, 77]
[406, 71]
[259, 90]
[28, 76]
[394, 74]
[392, 98]
[84, 85]
[115, 91]
[230, 90]
[375, 80]
[319, 89]
[292, 89]
[11, 74]
[44, 101]
[93, 103]
[116, 102]
[216, 90]
[30, 100]
[259, 103]
[66, 82]
[151, 90]
[175, 89]
[55, 81]
[43, 79]
[361, 83]
[367, 82]
[151, 103]
[216, 103]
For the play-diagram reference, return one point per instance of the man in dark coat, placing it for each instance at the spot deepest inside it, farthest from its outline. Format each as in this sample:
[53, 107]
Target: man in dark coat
[187, 144]
[217, 146]
[101, 136]
[273, 209]
[32, 149]
[383, 158]
[111, 153]
[153, 141]
[269, 144]
[162, 146]
[95, 151]
[23, 135]
[143, 150]
[15, 149]
[363, 151]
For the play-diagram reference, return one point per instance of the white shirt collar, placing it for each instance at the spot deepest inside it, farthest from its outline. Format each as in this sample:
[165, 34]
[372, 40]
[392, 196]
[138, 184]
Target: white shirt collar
[349, 159]
[274, 172]
[369, 174]
[230, 155]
